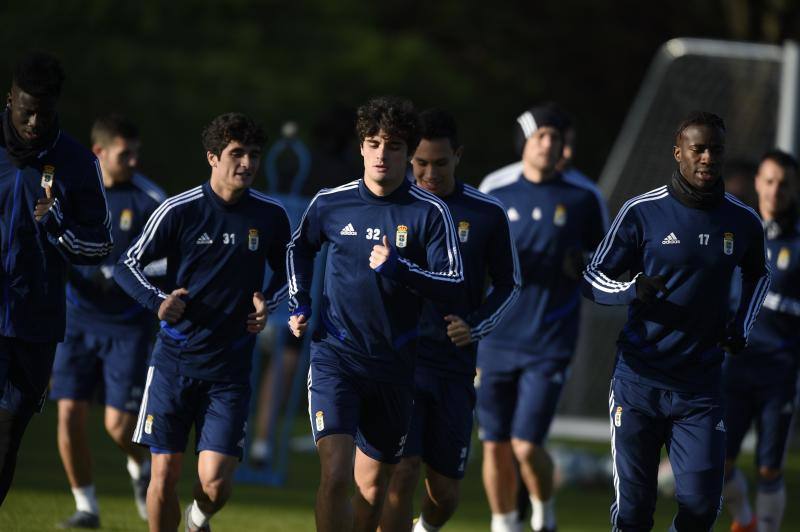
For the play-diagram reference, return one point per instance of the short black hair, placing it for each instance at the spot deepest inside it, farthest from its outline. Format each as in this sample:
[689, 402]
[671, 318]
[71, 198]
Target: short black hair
[699, 118]
[230, 127]
[108, 127]
[782, 159]
[439, 124]
[39, 74]
[395, 116]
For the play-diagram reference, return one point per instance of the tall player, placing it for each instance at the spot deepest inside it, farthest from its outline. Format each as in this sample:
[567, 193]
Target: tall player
[109, 335]
[390, 243]
[218, 238]
[681, 244]
[52, 212]
[759, 383]
[444, 395]
[523, 363]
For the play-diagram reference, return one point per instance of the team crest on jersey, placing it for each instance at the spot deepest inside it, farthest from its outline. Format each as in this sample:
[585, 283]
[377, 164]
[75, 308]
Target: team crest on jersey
[126, 219]
[320, 420]
[536, 214]
[618, 417]
[401, 237]
[463, 231]
[560, 216]
[48, 175]
[727, 243]
[252, 239]
[513, 215]
[148, 424]
[783, 258]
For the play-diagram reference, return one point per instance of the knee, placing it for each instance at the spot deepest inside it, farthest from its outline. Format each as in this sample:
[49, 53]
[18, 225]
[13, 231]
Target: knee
[164, 477]
[769, 479]
[444, 496]
[525, 452]
[71, 415]
[335, 480]
[698, 512]
[406, 474]
[115, 428]
[497, 449]
[216, 489]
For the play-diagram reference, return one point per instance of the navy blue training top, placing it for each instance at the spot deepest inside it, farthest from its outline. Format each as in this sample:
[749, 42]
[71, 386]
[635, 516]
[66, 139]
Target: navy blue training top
[672, 343]
[219, 253]
[370, 318]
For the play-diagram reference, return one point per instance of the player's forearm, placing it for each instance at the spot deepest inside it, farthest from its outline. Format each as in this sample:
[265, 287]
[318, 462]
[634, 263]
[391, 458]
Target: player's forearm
[754, 291]
[486, 317]
[276, 291]
[81, 243]
[436, 286]
[600, 288]
[129, 276]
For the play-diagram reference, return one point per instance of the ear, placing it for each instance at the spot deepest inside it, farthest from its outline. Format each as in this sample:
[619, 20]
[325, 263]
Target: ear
[97, 149]
[459, 153]
[213, 160]
[361, 148]
[676, 153]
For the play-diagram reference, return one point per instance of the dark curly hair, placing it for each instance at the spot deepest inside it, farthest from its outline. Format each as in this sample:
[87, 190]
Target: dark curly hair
[395, 116]
[39, 74]
[700, 118]
[230, 127]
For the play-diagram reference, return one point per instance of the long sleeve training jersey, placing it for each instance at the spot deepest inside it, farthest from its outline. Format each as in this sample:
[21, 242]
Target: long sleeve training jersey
[218, 252]
[371, 318]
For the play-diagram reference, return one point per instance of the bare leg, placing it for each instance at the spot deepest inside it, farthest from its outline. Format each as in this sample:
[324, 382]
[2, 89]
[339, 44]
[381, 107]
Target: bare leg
[334, 511]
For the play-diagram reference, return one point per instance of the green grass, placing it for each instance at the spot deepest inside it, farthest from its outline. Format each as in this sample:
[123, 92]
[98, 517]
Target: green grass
[41, 497]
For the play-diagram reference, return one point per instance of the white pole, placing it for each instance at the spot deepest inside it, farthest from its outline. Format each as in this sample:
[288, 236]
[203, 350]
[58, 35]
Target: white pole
[789, 105]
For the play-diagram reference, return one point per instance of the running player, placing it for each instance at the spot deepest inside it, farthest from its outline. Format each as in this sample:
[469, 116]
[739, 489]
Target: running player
[523, 363]
[389, 243]
[444, 395]
[109, 335]
[52, 212]
[217, 238]
[681, 244]
[759, 383]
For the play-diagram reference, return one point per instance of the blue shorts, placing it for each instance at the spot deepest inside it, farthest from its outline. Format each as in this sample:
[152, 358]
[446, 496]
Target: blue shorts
[116, 365]
[691, 427]
[518, 404]
[376, 414]
[764, 397]
[24, 374]
[441, 424]
[173, 403]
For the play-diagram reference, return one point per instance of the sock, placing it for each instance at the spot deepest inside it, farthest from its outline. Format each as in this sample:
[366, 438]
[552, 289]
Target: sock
[770, 503]
[543, 513]
[422, 526]
[134, 469]
[199, 519]
[85, 499]
[734, 496]
[505, 522]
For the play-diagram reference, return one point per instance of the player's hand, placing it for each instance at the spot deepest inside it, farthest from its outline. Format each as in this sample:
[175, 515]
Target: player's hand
[256, 321]
[458, 330]
[733, 342]
[43, 204]
[172, 308]
[648, 288]
[380, 253]
[298, 323]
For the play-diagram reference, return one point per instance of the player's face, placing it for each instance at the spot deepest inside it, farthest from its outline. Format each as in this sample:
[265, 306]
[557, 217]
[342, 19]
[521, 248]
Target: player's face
[543, 149]
[31, 116]
[385, 158]
[434, 165]
[776, 188]
[700, 154]
[237, 165]
[119, 158]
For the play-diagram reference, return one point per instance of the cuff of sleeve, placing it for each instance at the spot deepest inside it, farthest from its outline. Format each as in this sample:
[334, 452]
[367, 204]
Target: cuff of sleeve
[51, 222]
[390, 267]
[155, 302]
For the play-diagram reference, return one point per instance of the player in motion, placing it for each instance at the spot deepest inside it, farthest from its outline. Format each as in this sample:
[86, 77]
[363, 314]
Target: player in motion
[109, 335]
[52, 212]
[681, 244]
[444, 395]
[217, 238]
[523, 363]
[759, 382]
[390, 243]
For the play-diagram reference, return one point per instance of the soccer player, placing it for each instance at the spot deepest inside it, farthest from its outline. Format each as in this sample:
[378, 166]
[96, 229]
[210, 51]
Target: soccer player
[444, 395]
[53, 212]
[217, 238]
[109, 335]
[523, 363]
[681, 244]
[760, 382]
[389, 244]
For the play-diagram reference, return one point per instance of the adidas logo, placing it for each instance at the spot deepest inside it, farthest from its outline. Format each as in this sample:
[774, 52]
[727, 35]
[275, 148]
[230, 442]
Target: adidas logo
[720, 426]
[348, 230]
[671, 239]
[204, 239]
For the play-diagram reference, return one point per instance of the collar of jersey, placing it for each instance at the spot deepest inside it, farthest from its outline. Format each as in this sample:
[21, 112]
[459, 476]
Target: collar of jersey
[369, 197]
[217, 202]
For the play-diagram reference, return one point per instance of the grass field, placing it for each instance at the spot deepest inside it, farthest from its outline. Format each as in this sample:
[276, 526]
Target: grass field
[41, 497]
